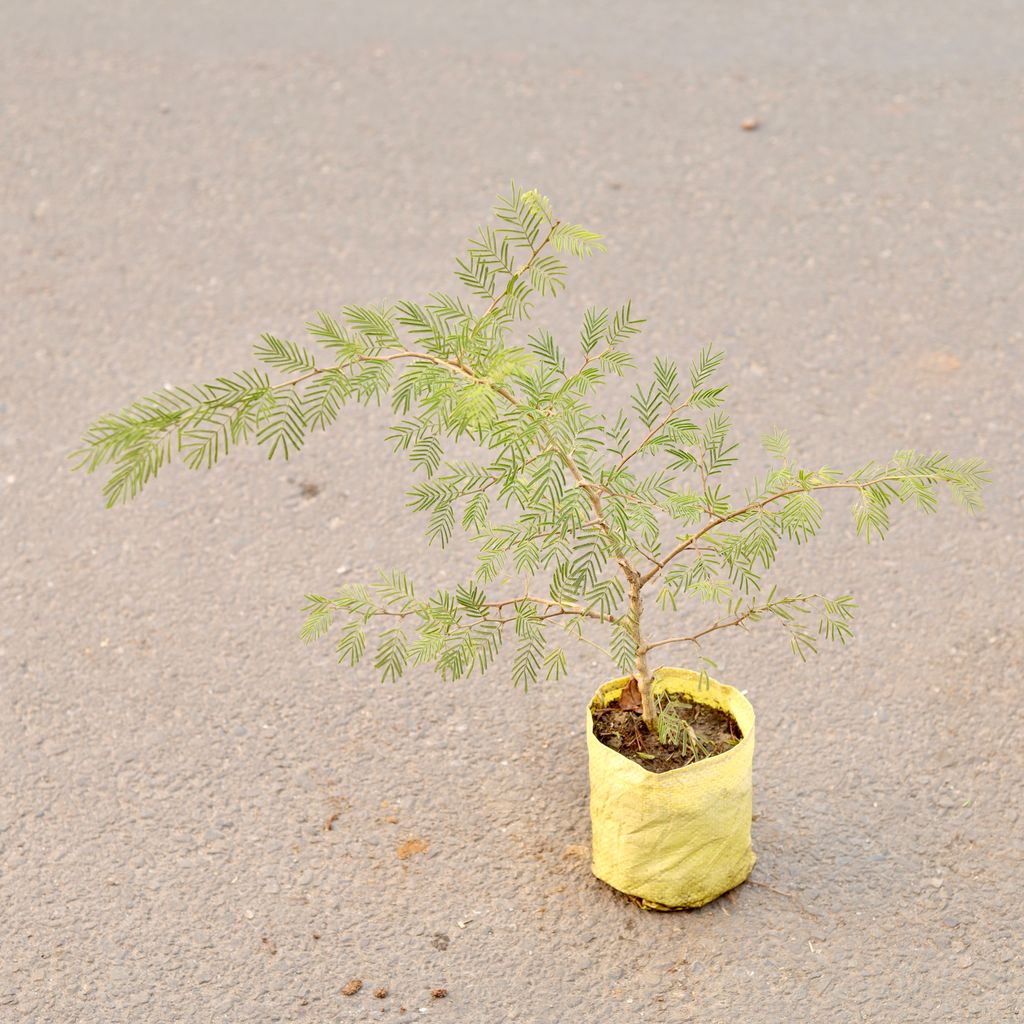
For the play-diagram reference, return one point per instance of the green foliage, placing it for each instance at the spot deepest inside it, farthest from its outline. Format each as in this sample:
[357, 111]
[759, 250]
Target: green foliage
[573, 513]
[675, 731]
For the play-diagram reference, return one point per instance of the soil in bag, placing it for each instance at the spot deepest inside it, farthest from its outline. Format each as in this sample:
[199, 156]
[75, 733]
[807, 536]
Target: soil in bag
[688, 731]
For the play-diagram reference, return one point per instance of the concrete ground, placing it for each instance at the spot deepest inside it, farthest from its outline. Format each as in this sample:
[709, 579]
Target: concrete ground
[178, 178]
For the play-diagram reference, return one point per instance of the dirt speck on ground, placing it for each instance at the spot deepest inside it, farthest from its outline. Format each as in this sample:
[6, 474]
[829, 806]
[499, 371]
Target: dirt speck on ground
[411, 847]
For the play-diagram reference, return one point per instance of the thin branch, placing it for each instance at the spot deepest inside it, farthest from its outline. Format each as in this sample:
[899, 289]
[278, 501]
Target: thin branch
[315, 372]
[449, 364]
[608, 492]
[491, 481]
[563, 607]
[752, 611]
[650, 558]
[651, 433]
[850, 485]
[587, 361]
[534, 253]
[696, 637]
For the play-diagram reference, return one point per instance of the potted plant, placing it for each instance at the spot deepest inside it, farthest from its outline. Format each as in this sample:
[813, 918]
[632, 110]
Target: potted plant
[579, 518]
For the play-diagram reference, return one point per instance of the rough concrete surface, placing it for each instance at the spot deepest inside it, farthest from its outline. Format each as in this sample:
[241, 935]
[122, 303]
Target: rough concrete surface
[178, 178]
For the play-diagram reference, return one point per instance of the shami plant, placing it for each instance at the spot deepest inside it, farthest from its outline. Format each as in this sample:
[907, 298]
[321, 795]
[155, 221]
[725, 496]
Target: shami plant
[578, 516]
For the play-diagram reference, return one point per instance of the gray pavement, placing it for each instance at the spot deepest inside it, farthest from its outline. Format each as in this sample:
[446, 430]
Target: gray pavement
[178, 178]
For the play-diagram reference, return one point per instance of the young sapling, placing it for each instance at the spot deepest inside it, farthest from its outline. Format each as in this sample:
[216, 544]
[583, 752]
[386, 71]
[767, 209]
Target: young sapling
[579, 515]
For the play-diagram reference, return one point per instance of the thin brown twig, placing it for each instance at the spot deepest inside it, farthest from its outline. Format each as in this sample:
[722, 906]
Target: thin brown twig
[565, 607]
[854, 485]
[728, 623]
[654, 430]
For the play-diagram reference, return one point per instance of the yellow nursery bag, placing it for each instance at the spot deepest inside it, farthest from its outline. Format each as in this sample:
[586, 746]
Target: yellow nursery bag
[678, 838]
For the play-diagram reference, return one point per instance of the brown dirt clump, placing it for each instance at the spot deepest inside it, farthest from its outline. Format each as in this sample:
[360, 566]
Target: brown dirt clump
[411, 847]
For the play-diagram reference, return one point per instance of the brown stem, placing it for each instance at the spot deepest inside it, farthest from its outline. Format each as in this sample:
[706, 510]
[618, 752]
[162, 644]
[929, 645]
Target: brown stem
[641, 670]
[645, 682]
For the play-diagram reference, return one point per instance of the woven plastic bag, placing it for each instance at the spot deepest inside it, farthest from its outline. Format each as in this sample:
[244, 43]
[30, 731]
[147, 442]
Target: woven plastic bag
[678, 838]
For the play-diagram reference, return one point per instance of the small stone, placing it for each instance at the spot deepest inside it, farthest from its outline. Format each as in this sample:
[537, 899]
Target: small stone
[381, 993]
[750, 124]
[352, 987]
